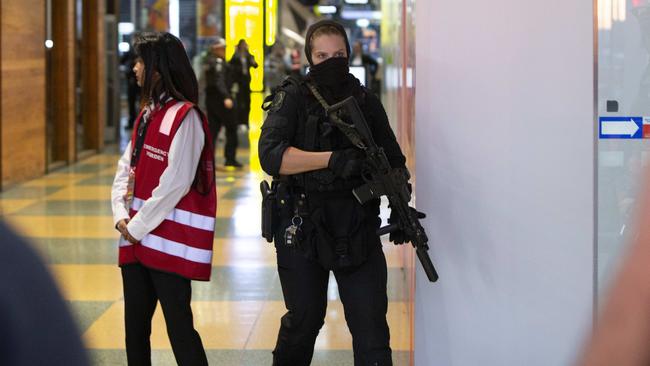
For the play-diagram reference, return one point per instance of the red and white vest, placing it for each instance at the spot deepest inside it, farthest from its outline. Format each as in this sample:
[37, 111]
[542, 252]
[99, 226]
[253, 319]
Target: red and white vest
[182, 243]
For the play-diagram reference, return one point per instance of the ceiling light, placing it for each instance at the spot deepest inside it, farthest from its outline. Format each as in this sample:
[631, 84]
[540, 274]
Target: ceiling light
[125, 27]
[363, 23]
[124, 47]
[326, 9]
[359, 14]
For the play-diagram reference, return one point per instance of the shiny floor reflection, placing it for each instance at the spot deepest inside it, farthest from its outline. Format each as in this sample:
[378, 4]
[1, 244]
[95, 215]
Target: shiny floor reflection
[67, 216]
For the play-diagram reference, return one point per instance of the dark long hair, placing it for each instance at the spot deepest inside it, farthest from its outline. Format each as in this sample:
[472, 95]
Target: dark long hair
[165, 54]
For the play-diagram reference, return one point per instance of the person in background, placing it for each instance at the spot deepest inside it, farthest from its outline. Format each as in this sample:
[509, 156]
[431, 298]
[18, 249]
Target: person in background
[296, 62]
[359, 58]
[241, 62]
[275, 67]
[218, 100]
[164, 202]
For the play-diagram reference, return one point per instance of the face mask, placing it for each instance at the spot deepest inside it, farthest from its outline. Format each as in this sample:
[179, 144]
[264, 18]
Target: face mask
[331, 71]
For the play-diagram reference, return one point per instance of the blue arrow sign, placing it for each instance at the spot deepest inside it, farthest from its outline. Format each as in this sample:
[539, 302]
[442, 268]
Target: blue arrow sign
[621, 127]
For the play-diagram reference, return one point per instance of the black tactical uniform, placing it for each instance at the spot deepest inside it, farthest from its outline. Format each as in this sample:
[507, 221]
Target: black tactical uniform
[335, 231]
[217, 90]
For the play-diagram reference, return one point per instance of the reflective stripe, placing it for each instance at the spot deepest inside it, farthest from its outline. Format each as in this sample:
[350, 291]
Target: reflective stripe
[177, 249]
[170, 116]
[183, 217]
[172, 248]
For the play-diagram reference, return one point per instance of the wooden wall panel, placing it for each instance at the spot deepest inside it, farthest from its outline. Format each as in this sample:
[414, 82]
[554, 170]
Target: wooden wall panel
[22, 90]
[63, 67]
[93, 71]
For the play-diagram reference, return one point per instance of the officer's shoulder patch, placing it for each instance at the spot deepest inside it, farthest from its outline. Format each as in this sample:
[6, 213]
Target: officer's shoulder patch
[278, 101]
[273, 102]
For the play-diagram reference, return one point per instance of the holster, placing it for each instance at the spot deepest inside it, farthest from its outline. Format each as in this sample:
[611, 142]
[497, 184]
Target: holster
[269, 210]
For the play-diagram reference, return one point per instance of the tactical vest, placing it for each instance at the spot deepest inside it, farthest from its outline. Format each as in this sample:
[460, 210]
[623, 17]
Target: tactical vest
[337, 231]
[314, 132]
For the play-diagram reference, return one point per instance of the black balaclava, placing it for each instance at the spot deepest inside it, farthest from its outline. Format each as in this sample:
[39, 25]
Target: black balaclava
[333, 73]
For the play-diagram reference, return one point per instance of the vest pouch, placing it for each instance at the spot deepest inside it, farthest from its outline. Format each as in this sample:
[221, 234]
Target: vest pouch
[269, 211]
[342, 234]
[320, 181]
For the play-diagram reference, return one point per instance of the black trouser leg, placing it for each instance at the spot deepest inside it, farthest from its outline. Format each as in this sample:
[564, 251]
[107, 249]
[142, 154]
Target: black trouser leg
[230, 151]
[247, 108]
[175, 294]
[304, 286]
[219, 116]
[243, 106]
[216, 127]
[363, 293]
[214, 123]
[139, 305]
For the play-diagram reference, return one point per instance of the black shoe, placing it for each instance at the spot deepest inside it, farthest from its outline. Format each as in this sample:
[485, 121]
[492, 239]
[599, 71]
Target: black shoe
[234, 163]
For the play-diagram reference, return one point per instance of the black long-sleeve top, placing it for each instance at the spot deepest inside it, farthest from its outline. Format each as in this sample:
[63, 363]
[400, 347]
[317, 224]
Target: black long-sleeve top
[285, 126]
[240, 72]
[216, 76]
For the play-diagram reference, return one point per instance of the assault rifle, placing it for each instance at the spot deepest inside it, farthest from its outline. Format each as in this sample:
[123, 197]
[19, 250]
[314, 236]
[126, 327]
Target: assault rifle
[382, 180]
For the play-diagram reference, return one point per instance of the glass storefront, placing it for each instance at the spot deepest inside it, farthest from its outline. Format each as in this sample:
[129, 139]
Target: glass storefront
[623, 110]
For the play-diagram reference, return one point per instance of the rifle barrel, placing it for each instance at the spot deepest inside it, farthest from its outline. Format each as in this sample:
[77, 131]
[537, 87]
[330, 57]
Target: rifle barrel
[423, 256]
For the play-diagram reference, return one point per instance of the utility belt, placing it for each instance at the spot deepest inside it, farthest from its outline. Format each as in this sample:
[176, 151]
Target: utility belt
[280, 199]
[336, 244]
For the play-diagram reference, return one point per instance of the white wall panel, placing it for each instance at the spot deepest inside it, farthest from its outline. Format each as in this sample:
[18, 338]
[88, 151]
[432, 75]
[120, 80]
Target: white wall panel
[505, 172]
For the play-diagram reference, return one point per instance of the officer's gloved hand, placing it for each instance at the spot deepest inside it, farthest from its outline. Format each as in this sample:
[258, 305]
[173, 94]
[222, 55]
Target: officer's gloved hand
[399, 236]
[346, 163]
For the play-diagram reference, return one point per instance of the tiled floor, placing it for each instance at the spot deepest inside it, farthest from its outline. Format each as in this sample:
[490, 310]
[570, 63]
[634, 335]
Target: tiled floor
[68, 218]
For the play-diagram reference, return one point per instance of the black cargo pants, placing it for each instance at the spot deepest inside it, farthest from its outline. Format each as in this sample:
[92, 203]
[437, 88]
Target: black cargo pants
[362, 292]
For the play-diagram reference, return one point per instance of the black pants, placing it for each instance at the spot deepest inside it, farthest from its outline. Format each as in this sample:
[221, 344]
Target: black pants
[219, 116]
[362, 292]
[243, 105]
[143, 288]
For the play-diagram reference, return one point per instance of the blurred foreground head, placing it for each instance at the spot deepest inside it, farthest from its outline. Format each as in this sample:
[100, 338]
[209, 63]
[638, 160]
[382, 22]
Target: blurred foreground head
[37, 328]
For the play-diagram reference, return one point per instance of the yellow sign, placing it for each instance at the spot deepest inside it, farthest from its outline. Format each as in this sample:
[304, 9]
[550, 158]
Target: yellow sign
[245, 20]
[271, 21]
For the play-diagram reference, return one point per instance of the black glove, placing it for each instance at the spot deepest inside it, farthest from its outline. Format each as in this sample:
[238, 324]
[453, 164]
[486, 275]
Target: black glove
[399, 236]
[346, 163]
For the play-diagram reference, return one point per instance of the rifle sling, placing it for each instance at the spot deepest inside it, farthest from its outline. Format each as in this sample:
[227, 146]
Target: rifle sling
[348, 130]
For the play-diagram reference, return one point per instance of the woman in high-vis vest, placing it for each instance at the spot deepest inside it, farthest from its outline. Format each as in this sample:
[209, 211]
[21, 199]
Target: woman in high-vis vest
[164, 202]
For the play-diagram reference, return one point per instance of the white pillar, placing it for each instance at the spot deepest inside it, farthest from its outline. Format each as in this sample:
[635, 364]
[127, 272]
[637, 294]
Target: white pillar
[505, 172]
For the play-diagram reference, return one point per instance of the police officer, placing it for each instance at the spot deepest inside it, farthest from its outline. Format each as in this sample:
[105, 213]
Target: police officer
[218, 100]
[320, 226]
